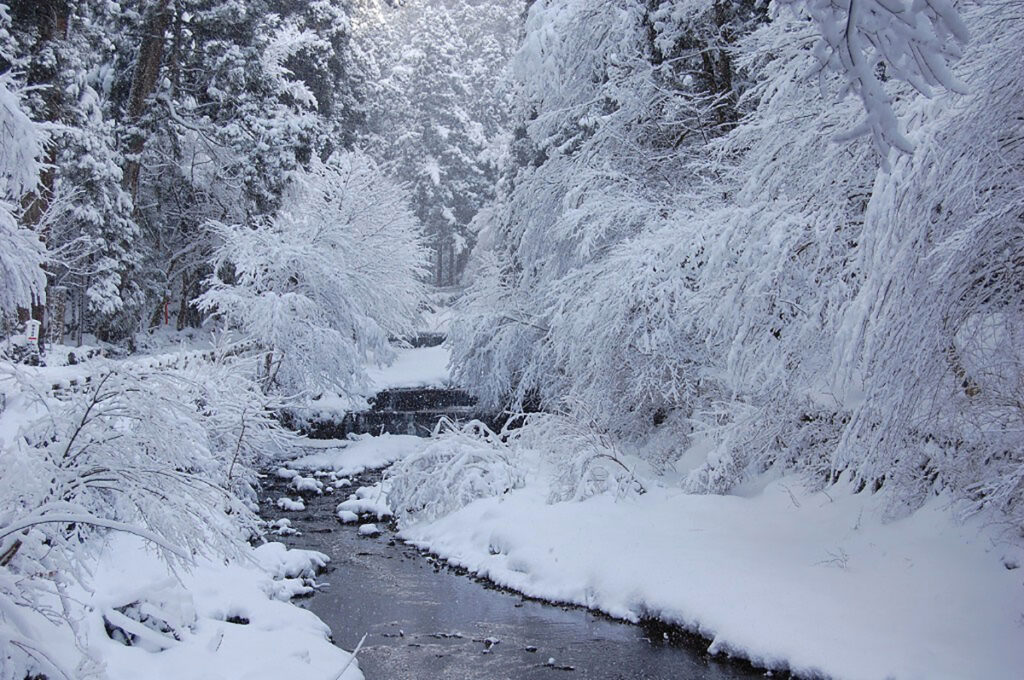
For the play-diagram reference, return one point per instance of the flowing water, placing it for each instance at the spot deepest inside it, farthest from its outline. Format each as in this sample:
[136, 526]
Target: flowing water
[424, 620]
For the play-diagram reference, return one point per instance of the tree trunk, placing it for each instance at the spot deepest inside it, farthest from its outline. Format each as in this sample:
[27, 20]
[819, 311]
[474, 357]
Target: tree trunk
[80, 305]
[56, 301]
[147, 73]
[51, 19]
[186, 284]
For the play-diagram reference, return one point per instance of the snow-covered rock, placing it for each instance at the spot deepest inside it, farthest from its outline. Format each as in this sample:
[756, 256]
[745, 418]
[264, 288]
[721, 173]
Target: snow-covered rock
[281, 562]
[290, 505]
[286, 473]
[348, 517]
[307, 485]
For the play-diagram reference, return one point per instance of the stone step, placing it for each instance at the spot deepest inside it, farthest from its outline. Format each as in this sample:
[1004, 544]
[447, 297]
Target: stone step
[419, 423]
[414, 399]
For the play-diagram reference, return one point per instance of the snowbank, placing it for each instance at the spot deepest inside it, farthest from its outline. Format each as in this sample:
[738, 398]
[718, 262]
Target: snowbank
[813, 582]
[225, 618]
[413, 367]
[347, 457]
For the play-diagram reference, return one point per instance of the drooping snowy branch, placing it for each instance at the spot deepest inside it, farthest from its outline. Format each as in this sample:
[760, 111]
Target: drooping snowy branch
[868, 42]
[22, 280]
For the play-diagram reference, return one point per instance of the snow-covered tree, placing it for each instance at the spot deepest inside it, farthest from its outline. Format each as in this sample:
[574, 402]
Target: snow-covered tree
[21, 156]
[614, 108]
[438, 110]
[21, 152]
[699, 245]
[934, 333]
[325, 283]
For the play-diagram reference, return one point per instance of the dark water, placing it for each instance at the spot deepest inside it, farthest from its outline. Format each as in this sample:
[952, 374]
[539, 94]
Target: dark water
[424, 620]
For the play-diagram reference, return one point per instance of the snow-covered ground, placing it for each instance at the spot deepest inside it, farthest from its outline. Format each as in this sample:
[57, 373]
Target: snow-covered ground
[412, 367]
[345, 457]
[220, 621]
[814, 582]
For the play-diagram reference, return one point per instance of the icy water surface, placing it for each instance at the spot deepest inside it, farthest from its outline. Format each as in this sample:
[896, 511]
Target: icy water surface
[425, 621]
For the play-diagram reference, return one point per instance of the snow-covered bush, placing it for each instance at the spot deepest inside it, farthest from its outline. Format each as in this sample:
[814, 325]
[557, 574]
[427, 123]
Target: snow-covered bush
[130, 448]
[156, 453]
[586, 459]
[240, 423]
[325, 283]
[460, 465]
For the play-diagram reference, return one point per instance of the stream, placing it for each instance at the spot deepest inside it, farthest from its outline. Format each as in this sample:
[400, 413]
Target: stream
[424, 620]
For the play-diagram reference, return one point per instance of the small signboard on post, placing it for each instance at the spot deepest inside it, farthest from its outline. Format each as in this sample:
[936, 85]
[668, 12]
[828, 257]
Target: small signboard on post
[32, 328]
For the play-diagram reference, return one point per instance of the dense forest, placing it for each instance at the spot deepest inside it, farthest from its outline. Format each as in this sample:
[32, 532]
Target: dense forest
[704, 241]
[789, 232]
[134, 125]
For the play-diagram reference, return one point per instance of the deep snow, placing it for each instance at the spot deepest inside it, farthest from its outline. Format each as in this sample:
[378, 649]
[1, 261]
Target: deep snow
[233, 621]
[814, 582]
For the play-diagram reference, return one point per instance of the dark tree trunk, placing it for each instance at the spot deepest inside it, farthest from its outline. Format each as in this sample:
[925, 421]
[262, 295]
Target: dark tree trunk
[147, 73]
[50, 19]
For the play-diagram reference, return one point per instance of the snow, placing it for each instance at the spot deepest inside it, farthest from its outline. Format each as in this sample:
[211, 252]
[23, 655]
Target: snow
[433, 170]
[346, 457]
[290, 505]
[413, 367]
[410, 367]
[367, 501]
[348, 517]
[268, 639]
[307, 485]
[813, 582]
[369, 530]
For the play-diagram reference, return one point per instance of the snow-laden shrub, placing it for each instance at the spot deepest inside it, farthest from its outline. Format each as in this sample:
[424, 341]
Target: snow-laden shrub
[239, 422]
[737, 440]
[156, 453]
[460, 465]
[586, 459]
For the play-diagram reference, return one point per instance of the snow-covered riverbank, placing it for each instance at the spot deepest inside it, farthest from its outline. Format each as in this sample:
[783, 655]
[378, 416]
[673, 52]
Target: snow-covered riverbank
[212, 621]
[818, 583]
[175, 591]
[813, 582]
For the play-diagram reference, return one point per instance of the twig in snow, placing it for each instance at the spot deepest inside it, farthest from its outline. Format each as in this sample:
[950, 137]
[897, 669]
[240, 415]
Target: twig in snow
[351, 658]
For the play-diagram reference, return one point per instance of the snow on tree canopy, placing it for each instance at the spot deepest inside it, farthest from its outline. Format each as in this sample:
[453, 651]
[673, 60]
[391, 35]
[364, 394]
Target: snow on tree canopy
[325, 283]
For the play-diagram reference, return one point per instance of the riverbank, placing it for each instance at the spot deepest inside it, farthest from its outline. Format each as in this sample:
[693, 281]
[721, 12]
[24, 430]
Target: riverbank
[423, 620]
[814, 583]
